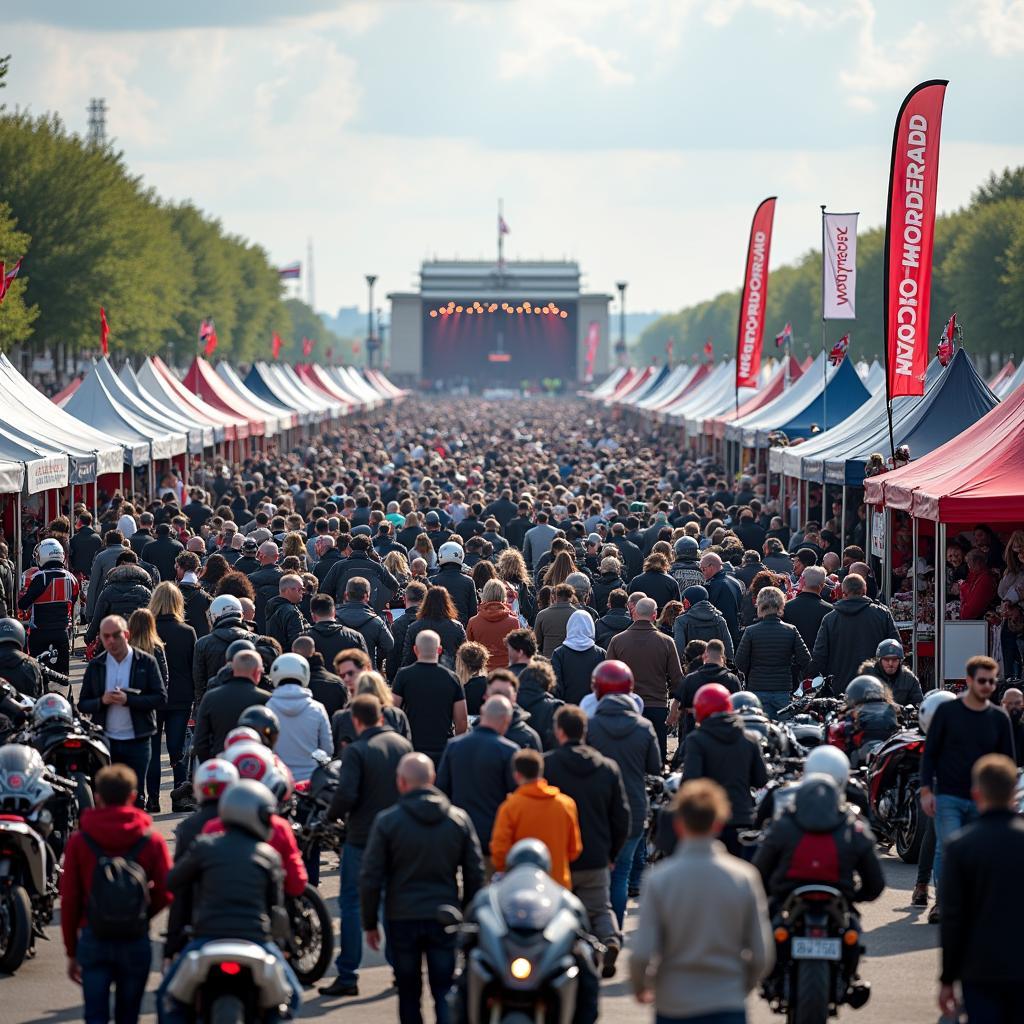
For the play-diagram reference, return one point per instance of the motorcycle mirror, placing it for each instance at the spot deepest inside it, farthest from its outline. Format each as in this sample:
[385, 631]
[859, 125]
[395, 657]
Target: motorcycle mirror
[448, 916]
[321, 757]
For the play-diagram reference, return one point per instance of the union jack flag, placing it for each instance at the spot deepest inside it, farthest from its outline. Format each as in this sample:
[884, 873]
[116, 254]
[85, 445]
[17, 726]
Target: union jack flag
[839, 349]
[947, 342]
[784, 336]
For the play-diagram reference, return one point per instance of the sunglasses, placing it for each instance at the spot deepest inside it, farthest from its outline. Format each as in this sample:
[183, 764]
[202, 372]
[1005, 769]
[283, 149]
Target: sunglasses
[984, 681]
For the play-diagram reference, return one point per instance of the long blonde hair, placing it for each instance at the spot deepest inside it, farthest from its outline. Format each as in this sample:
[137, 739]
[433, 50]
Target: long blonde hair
[142, 628]
[167, 600]
[396, 563]
[373, 683]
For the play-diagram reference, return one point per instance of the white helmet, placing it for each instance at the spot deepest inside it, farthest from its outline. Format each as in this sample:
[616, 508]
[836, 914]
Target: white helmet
[241, 734]
[830, 761]
[290, 668]
[255, 761]
[928, 706]
[49, 551]
[226, 604]
[212, 777]
[450, 552]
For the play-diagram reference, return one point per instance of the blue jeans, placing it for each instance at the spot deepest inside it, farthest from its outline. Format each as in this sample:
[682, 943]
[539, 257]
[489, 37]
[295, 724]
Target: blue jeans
[410, 942]
[350, 949]
[106, 964]
[636, 871]
[620, 877]
[720, 1017]
[773, 701]
[951, 814]
[172, 724]
[170, 1011]
[135, 754]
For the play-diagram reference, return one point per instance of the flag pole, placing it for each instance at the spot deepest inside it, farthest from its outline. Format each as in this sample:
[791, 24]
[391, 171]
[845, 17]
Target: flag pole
[501, 238]
[824, 361]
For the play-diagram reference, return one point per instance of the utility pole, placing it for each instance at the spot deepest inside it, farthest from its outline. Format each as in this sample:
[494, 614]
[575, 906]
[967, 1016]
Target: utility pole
[310, 289]
[97, 122]
[371, 280]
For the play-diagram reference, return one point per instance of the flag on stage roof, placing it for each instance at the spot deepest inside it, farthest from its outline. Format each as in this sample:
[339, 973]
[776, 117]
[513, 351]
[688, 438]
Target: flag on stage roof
[785, 336]
[709, 349]
[308, 344]
[502, 226]
[275, 345]
[839, 349]
[104, 332]
[291, 271]
[7, 277]
[947, 343]
[208, 334]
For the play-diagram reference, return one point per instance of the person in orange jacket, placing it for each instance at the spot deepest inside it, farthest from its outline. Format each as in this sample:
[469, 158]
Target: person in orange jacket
[537, 811]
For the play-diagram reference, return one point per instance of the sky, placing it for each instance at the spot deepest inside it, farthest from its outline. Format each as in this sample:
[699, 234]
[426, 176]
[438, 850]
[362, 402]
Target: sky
[635, 136]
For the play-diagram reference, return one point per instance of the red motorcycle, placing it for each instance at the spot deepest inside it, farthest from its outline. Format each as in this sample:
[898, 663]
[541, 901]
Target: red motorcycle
[893, 786]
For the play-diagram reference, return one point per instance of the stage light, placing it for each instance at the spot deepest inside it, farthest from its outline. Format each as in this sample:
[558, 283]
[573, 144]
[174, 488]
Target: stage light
[493, 307]
[433, 312]
[519, 309]
[526, 306]
[547, 309]
[563, 314]
[470, 311]
[458, 309]
[536, 311]
[509, 310]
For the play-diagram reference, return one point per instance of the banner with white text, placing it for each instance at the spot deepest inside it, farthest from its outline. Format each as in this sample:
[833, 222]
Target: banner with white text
[839, 266]
[750, 333]
[909, 236]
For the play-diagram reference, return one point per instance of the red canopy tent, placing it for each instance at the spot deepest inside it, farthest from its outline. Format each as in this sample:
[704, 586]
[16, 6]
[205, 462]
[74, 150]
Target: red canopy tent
[203, 380]
[774, 388]
[62, 396]
[1002, 376]
[235, 427]
[630, 385]
[324, 385]
[698, 375]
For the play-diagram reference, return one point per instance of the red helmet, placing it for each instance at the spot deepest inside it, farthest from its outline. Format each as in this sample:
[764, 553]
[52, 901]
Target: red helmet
[711, 699]
[611, 677]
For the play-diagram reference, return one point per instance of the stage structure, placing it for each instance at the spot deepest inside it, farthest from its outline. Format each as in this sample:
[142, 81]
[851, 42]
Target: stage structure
[499, 323]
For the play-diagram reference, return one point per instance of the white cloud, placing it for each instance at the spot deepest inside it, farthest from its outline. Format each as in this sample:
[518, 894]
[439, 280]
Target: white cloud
[1000, 23]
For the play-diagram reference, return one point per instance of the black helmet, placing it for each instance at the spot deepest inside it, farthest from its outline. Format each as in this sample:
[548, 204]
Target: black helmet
[263, 721]
[864, 690]
[890, 649]
[12, 632]
[746, 702]
[236, 646]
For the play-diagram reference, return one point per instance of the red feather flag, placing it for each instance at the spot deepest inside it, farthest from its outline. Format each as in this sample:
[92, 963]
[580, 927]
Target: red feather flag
[709, 349]
[275, 346]
[7, 277]
[208, 333]
[104, 332]
[947, 343]
[308, 344]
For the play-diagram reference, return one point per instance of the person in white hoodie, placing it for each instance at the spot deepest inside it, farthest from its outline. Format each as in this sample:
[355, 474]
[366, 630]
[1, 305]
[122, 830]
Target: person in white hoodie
[304, 723]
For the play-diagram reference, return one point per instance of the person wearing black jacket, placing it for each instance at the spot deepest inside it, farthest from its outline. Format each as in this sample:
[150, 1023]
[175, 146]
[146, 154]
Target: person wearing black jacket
[503, 683]
[128, 586]
[179, 640]
[460, 587]
[712, 671]
[366, 787]
[414, 594]
[197, 601]
[609, 579]
[162, 551]
[616, 620]
[266, 581]
[476, 769]
[503, 508]
[536, 682]
[982, 945]
[84, 546]
[629, 554]
[515, 529]
[807, 609]
[122, 690]
[325, 686]
[655, 581]
[330, 556]
[357, 615]
[361, 564]
[16, 667]
[143, 535]
[221, 706]
[284, 619]
[595, 783]
[329, 636]
[725, 592]
[415, 855]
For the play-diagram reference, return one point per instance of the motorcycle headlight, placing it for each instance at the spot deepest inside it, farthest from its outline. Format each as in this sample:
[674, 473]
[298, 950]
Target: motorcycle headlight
[520, 968]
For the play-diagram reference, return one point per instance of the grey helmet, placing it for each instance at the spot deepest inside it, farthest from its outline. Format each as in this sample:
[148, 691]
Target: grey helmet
[235, 646]
[864, 690]
[686, 547]
[12, 632]
[529, 851]
[890, 649]
[248, 805]
[746, 702]
[52, 709]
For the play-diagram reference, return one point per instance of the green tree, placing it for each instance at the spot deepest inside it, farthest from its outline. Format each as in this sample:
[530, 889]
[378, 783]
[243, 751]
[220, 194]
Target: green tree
[15, 317]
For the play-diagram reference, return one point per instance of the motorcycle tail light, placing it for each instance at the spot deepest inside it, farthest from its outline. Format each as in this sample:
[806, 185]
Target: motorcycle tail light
[781, 935]
[850, 936]
[73, 744]
[230, 967]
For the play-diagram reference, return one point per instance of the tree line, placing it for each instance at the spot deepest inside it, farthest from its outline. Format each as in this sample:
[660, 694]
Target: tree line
[978, 273]
[92, 234]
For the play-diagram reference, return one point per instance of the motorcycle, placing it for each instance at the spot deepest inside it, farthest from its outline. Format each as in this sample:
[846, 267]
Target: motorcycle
[525, 952]
[230, 981]
[75, 750]
[53, 681]
[15, 710]
[893, 785]
[818, 947]
[29, 870]
[310, 944]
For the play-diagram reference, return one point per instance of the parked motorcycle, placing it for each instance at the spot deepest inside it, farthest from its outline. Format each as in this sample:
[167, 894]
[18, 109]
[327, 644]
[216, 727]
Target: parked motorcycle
[230, 981]
[52, 679]
[29, 871]
[893, 786]
[818, 947]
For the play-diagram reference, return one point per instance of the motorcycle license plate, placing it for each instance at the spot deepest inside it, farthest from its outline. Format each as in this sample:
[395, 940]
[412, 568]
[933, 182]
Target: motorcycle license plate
[815, 949]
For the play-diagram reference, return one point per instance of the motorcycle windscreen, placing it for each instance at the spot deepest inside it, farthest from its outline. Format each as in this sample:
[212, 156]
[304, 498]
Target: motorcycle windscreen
[529, 899]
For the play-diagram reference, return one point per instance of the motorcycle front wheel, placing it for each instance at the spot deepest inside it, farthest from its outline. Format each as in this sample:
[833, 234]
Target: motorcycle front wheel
[312, 939]
[810, 1001]
[910, 835]
[15, 928]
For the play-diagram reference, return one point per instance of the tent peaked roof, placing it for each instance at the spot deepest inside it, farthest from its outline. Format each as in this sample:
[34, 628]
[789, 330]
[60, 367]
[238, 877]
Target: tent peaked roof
[978, 476]
[775, 386]
[200, 434]
[202, 380]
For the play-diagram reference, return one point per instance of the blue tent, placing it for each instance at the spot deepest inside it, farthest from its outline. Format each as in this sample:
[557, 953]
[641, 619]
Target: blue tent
[843, 395]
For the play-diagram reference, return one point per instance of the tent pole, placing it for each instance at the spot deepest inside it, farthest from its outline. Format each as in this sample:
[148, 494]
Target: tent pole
[914, 600]
[18, 560]
[842, 525]
[887, 560]
[96, 499]
[940, 607]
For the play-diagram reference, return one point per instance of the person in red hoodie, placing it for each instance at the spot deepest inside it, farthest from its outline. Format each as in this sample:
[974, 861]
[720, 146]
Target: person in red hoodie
[978, 591]
[116, 828]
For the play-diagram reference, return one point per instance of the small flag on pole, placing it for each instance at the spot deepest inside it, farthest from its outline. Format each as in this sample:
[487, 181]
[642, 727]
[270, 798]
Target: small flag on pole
[839, 350]
[275, 346]
[329, 353]
[104, 332]
[502, 226]
[308, 344]
[669, 349]
[208, 334]
[7, 277]
[785, 336]
[292, 271]
[947, 343]
[709, 349]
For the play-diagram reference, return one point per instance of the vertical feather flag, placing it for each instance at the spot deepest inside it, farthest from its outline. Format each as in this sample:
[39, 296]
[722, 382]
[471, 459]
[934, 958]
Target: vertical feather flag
[275, 346]
[709, 349]
[7, 277]
[308, 344]
[104, 332]
[947, 342]
[208, 334]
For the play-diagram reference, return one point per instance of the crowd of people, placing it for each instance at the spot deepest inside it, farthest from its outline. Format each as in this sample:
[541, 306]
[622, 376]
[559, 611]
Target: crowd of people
[503, 619]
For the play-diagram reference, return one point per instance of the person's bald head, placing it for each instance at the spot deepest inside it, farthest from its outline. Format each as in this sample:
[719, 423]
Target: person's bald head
[1013, 700]
[427, 646]
[830, 562]
[415, 771]
[247, 665]
[290, 587]
[496, 714]
[861, 569]
[646, 609]
[268, 553]
[710, 564]
[324, 543]
[305, 646]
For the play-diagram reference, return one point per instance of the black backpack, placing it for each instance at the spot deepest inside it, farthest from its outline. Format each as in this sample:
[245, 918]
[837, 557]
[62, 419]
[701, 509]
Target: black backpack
[118, 904]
